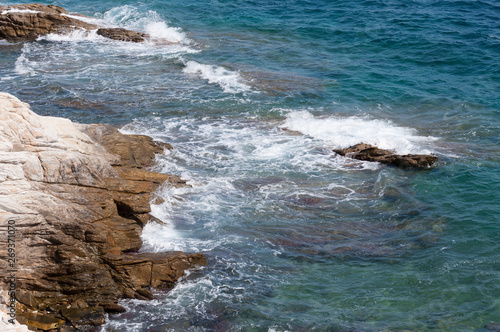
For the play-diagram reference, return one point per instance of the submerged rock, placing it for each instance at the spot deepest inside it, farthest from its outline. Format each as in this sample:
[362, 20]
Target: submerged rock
[493, 327]
[76, 198]
[368, 152]
[30, 21]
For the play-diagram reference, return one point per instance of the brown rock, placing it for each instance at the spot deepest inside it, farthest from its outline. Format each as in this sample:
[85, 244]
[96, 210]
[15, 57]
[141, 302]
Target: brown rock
[42, 322]
[20, 22]
[84, 316]
[122, 34]
[133, 150]
[113, 308]
[159, 270]
[79, 210]
[367, 152]
[33, 20]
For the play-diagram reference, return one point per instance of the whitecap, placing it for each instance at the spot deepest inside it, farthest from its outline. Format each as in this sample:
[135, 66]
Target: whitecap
[160, 30]
[229, 81]
[151, 22]
[24, 66]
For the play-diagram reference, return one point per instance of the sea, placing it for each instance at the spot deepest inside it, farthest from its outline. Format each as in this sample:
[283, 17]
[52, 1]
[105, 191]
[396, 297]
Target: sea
[254, 95]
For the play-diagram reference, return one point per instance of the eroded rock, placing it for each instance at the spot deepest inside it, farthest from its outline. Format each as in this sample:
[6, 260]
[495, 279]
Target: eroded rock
[368, 152]
[78, 207]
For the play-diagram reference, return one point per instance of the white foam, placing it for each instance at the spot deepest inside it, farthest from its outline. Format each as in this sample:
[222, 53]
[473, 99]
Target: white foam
[16, 10]
[149, 21]
[73, 36]
[228, 80]
[86, 19]
[342, 132]
[160, 30]
[24, 66]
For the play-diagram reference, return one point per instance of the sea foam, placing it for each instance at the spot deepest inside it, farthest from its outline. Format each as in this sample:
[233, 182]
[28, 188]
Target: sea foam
[342, 132]
[151, 22]
[230, 81]
[73, 36]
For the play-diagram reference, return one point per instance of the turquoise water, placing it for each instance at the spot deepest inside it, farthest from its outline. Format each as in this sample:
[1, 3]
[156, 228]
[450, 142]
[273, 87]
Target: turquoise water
[254, 95]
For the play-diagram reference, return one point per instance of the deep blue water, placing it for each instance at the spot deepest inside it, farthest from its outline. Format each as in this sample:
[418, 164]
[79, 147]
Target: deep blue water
[254, 95]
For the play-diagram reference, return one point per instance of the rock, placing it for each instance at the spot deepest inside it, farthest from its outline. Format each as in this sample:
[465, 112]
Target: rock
[87, 316]
[78, 208]
[159, 270]
[122, 34]
[33, 20]
[42, 322]
[113, 308]
[30, 21]
[367, 152]
[493, 327]
[135, 151]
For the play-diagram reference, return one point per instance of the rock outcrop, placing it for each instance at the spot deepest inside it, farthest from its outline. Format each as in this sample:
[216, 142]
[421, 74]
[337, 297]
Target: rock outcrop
[29, 21]
[368, 152]
[76, 197]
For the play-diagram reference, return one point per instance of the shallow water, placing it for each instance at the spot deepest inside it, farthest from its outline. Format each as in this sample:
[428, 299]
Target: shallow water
[254, 95]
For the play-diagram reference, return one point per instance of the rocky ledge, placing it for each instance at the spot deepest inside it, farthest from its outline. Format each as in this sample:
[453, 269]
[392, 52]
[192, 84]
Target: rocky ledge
[76, 198]
[368, 152]
[29, 21]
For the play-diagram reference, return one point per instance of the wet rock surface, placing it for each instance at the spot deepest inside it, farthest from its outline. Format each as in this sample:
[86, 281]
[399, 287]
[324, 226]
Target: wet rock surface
[30, 21]
[122, 34]
[78, 196]
[368, 152]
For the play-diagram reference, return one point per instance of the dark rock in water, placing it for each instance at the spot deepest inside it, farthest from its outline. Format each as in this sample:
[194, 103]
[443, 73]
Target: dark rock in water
[493, 327]
[310, 200]
[368, 152]
[113, 308]
[33, 20]
[79, 196]
[122, 34]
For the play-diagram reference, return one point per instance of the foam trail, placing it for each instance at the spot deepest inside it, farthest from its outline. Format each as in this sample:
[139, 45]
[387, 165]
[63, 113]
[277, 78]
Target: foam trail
[345, 132]
[230, 81]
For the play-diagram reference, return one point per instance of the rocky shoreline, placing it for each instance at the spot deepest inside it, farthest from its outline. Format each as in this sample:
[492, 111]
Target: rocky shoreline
[77, 197]
[74, 199]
